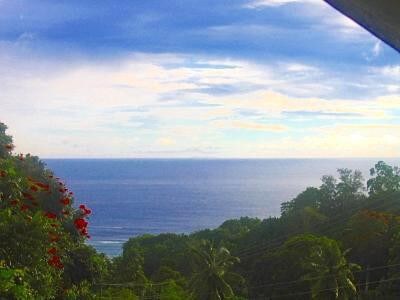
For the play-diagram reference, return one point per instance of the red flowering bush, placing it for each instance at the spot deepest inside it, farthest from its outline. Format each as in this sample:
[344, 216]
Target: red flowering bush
[39, 227]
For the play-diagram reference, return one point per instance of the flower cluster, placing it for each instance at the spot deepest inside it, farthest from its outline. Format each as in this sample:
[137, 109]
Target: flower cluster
[80, 223]
[55, 259]
[34, 193]
[9, 147]
[38, 186]
[379, 216]
[85, 211]
[50, 215]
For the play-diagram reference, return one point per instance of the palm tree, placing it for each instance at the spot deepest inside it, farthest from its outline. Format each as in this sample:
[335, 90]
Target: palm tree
[330, 275]
[212, 279]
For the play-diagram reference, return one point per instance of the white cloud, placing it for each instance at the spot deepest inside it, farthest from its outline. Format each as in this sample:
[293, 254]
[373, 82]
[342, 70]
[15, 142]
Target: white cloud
[374, 52]
[392, 71]
[297, 67]
[273, 104]
[141, 105]
[377, 49]
[248, 125]
[344, 140]
[260, 3]
[166, 141]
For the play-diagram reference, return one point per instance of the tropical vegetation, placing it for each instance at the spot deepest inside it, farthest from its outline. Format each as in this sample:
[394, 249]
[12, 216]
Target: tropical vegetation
[340, 240]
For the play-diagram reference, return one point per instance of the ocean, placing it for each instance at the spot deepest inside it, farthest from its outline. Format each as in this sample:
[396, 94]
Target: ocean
[130, 197]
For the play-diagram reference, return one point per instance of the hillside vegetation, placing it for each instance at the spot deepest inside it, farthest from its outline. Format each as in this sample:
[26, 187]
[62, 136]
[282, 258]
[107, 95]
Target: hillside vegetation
[340, 240]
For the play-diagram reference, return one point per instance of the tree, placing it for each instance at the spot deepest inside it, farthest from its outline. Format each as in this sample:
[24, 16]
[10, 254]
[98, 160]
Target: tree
[334, 273]
[6, 142]
[173, 291]
[391, 288]
[322, 264]
[128, 268]
[339, 195]
[350, 186]
[386, 179]
[311, 197]
[368, 234]
[85, 264]
[212, 277]
[38, 224]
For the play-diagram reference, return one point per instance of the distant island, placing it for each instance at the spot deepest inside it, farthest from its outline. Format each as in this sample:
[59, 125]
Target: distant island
[340, 240]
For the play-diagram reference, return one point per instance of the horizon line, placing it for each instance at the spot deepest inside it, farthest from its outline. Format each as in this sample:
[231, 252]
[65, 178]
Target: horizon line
[219, 158]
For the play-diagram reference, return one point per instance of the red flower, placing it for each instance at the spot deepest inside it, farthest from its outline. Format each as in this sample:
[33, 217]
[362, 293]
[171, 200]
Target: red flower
[34, 188]
[80, 223]
[52, 251]
[53, 237]
[43, 186]
[24, 207]
[50, 215]
[55, 261]
[3, 173]
[27, 196]
[85, 210]
[81, 226]
[65, 201]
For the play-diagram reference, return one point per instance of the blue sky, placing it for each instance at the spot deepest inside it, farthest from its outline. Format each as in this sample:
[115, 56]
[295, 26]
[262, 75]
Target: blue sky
[195, 78]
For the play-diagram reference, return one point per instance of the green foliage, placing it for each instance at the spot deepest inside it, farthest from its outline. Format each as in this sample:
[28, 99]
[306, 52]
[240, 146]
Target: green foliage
[111, 293]
[173, 291]
[129, 267]
[386, 179]
[85, 265]
[300, 254]
[5, 142]
[325, 266]
[13, 284]
[163, 250]
[392, 288]
[368, 235]
[80, 291]
[24, 243]
[37, 232]
[212, 277]
[340, 195]
[311, 266]
[311, 197]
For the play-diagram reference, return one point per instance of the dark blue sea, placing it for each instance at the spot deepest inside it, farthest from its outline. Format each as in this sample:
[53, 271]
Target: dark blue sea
[130, 197]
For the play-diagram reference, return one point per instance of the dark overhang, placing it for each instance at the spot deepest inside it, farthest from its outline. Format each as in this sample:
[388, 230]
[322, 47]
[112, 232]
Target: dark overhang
[380, 17]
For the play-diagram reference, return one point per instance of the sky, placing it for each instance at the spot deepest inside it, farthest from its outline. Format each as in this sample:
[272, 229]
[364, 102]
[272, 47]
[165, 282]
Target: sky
[195, 79]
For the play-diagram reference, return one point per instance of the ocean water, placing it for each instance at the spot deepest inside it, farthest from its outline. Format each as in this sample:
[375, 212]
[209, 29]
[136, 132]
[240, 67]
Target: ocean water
[130, 197]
